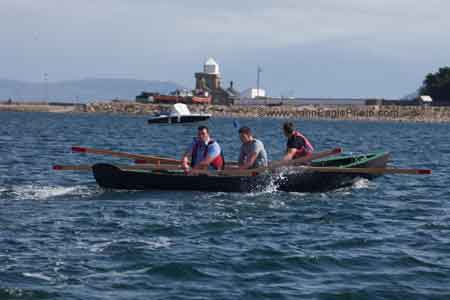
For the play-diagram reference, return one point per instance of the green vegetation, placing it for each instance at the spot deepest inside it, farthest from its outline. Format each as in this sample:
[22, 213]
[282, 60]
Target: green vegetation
[437, 85]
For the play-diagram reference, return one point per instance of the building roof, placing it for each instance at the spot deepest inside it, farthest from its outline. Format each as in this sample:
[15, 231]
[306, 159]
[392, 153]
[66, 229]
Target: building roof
[211, 62]
[425, 98]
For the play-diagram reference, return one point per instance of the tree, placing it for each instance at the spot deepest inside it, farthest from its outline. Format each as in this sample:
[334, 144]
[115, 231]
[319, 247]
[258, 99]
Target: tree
[437, 85]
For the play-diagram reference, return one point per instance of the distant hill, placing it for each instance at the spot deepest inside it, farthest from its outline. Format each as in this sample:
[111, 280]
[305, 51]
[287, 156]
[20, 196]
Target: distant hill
[81, 90]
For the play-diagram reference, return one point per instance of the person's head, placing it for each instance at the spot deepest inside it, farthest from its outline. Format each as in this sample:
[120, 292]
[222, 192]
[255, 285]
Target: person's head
[203, 133]
[288, 129]
[245, 134]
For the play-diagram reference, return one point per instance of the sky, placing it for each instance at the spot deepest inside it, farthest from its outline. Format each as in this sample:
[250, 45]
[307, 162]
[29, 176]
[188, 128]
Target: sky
[321, 48]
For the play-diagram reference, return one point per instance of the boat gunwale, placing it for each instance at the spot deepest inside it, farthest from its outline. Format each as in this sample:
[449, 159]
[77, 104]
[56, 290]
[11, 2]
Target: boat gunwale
[365, 159]
[359, 158]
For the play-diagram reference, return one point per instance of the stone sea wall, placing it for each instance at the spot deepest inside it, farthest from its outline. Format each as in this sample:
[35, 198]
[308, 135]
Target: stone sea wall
[312, 112]
[38, 107]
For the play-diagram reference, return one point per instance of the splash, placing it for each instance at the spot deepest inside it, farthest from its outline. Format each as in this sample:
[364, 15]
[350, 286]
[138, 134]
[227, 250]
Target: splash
[361, 183]
[272, 186]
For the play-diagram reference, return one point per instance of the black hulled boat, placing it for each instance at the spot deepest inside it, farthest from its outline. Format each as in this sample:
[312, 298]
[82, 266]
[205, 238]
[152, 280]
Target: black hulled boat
[292, 179]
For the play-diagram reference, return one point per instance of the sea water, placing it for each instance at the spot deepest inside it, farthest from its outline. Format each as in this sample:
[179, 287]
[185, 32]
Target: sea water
[63, 237]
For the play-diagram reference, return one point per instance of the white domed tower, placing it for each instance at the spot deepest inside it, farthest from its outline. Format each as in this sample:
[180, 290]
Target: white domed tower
[209, 79]
[211, 67]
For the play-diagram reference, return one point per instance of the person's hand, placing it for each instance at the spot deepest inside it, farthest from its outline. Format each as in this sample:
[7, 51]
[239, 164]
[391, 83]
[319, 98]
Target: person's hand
[185, 164]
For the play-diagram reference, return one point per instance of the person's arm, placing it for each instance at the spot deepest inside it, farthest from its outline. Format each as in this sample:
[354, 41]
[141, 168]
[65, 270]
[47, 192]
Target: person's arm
[249, 162]
[204, 163]
[293, 145]
[241, 156]
[290, 153]
[256, 148]
[185, 160]
[186, 156]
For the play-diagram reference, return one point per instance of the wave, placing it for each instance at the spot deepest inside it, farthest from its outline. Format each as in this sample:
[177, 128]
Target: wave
[19, 293]
[356, 184]
[152, 244]
[38, 276]
[38, 192]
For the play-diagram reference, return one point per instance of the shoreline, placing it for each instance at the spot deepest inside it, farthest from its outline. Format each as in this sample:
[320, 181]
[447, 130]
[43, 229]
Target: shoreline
[351, 112]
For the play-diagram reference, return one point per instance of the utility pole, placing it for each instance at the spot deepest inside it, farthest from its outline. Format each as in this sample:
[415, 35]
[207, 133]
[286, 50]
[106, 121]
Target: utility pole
[258, 72]
[46, 86]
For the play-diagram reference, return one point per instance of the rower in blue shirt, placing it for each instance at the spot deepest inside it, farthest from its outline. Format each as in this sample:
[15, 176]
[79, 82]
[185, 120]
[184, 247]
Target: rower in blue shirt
[204, 152]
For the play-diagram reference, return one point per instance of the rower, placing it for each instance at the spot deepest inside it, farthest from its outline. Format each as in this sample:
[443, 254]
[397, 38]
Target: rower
[253, 154]
[297, 144]
[204, 152]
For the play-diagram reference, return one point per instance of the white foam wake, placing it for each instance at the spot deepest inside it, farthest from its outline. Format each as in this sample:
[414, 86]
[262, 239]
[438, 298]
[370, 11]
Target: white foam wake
[38, 192]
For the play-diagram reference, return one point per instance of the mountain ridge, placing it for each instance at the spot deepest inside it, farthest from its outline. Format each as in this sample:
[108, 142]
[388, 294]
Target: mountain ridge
[83, 90]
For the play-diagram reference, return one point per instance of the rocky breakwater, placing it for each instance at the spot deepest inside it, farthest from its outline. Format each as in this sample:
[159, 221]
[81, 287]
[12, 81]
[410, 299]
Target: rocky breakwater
[338, 112]
[121, 107]
[309, 112]
[38, 107]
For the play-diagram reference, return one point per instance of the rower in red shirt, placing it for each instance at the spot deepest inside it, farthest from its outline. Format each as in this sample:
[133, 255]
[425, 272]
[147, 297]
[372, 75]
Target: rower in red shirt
[297, 145]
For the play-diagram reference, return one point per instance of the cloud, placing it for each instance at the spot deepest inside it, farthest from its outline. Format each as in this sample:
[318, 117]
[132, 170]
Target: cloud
[169, 39]
[246, 23]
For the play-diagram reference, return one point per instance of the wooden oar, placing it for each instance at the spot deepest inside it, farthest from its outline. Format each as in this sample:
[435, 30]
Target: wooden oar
[228, 171]
[232, 164]
[371, 171]
[306, 159]
[141, 166]
[72, 167]
[147, 158]
[139, 158]
[123, 167]
[272, 166]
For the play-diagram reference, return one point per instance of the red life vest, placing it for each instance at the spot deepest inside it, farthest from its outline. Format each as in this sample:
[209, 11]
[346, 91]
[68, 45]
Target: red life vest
[217, 163]
[304, 150]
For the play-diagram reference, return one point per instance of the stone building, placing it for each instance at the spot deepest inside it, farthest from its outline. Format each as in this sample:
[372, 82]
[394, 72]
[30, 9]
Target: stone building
[209, 81]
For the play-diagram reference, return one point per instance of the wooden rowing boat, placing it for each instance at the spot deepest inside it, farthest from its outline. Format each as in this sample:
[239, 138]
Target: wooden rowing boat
[289, 179]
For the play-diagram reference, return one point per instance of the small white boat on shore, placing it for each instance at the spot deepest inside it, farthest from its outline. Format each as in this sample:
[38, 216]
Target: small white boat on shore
[179, 114]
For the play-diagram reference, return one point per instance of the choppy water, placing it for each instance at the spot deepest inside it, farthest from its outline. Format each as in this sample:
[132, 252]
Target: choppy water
[62, 237]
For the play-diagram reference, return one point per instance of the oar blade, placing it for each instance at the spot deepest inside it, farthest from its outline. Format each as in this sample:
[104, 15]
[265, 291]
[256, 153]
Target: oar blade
[424, 172]
[79, 149]
[72, 168]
